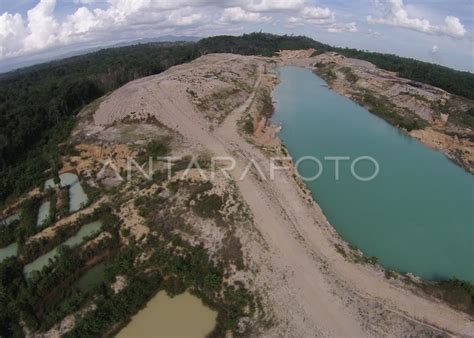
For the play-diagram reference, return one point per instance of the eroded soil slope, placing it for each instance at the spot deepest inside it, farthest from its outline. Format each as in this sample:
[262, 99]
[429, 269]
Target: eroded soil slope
[440, 120]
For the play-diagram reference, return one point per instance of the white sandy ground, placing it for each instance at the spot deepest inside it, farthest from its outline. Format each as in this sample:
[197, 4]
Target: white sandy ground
[311, 289]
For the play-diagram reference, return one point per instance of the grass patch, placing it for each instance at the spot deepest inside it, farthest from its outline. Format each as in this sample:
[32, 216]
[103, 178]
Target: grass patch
[218, 104]
[466, 118]
[349, 74]
[191, 92]
[204, 203]
[383, 108]
[462, 118]
[389, 274]
[247, 125]
[154, 149]
[417, 96]
[457, 293]
[202, 162]
[208, 205]
[231, 251]
[325, 71]
[340, 249]
[267, 109]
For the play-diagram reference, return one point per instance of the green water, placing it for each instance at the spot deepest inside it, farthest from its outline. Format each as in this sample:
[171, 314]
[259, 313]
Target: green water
[78, 238]
[13, 218]
[77, 196]
[8, 251]
[415, 216]
[86, 230]
[91, 278]
[43, 213]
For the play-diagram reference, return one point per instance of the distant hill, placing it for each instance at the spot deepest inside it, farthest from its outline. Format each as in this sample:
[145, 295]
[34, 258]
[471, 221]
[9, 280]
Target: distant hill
[9, 65]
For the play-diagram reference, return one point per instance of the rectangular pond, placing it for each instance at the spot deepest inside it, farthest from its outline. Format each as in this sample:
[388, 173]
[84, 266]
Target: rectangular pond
[77, 196]
[78, 238]
[13, 218]
[43, 213]
[91, 278]
[183, 315]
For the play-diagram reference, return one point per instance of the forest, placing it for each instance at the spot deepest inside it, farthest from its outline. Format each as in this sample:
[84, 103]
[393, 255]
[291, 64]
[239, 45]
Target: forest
[453, 81]
[38, 104]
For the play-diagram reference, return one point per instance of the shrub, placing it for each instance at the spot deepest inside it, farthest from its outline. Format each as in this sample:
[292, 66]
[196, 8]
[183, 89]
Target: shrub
[349, 74]
[248, 127]
[209, 205]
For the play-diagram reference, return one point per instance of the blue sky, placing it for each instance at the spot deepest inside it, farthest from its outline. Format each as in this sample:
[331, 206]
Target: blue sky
[431, 30]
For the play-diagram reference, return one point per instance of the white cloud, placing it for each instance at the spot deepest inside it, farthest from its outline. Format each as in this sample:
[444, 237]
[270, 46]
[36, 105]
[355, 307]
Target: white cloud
[398, 16]
[312, 15]
[453, 27]
[274, 5]
[84, 2]
[41, 30]
[322, 18]
[82, 21]
[42, 25]
[184, 17]
[237, 14]
[374, 33]
[12, 32]
[435, 49]
[317, 13]
[18, 36]
[350, 27]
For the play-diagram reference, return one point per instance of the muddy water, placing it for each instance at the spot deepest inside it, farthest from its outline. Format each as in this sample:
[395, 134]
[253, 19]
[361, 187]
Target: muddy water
[415, 216]
[181, 316]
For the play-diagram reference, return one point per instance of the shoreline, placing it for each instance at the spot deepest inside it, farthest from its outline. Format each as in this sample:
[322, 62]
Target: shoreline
[305, 190]
[429, 136]
[406, 278]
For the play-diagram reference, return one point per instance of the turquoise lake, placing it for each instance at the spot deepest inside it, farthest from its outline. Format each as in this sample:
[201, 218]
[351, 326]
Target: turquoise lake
[415, 216]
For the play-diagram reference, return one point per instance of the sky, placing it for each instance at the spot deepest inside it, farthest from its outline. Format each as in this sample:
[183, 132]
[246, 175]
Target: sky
[438, 31]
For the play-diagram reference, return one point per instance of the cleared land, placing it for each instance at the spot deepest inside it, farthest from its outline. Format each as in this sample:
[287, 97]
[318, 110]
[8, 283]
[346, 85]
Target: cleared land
[292, 254]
